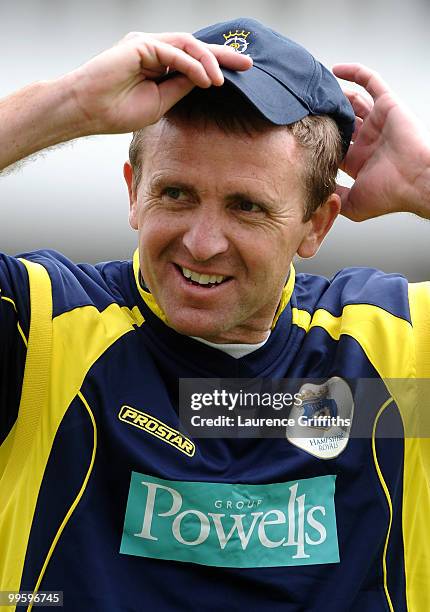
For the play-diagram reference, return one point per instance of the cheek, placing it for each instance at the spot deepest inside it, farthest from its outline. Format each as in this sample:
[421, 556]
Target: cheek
[158, 232]
[270, 259]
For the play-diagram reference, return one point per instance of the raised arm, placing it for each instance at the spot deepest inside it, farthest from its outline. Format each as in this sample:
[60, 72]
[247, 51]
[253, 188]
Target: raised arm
[389, 157]
[117, 91]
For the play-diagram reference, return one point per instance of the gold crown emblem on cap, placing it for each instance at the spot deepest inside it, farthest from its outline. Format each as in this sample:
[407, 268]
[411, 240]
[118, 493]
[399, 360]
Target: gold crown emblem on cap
[242, 34]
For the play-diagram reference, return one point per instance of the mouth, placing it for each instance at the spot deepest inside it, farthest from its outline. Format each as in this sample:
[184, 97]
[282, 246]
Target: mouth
[202, 280]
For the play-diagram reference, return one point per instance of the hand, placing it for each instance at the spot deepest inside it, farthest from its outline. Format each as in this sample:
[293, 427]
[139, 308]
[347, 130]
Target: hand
[389, 157]
[116, 91]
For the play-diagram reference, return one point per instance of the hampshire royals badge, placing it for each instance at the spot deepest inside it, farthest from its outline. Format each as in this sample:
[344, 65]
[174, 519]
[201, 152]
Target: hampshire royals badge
[322, 419]
[237, 40]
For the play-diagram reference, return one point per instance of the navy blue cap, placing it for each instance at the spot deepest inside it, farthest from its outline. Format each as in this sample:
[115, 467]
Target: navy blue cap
[285, 83]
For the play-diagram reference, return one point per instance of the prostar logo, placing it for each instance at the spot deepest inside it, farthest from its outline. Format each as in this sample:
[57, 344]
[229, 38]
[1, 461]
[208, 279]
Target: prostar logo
[232, 525]
[157, 428]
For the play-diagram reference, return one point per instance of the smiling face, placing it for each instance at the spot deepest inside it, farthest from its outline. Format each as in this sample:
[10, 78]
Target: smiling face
[220, 217]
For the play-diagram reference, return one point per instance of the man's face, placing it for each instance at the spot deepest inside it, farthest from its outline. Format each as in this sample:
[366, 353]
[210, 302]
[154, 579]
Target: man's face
[226, 209]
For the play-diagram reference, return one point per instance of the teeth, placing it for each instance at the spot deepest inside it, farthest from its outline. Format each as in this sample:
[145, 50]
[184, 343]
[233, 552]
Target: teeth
[200, 278]
[203, 279]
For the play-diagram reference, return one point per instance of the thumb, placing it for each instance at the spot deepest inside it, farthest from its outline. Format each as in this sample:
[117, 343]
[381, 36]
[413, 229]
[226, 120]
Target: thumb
[346, 206]
[172, 90]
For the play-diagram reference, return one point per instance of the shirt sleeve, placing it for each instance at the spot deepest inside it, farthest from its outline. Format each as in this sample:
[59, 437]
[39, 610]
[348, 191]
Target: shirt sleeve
[14, 328]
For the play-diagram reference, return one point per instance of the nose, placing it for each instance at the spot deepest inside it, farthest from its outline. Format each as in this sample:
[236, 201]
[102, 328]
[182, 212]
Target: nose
[205, 237]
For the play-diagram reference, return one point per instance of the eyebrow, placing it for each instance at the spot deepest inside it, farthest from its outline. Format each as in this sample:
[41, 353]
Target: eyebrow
[244, 196]
[168, 181]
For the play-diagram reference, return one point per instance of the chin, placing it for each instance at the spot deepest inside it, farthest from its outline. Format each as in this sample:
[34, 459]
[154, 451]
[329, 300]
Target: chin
[191, 326]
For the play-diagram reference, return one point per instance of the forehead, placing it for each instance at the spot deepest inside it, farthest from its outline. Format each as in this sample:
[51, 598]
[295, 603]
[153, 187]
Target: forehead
[204, 149]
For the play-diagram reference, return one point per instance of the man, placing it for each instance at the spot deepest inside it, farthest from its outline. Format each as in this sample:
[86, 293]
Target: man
[104, 495]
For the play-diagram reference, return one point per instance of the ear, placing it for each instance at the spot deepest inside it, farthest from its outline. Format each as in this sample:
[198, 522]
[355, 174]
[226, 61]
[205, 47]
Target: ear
[318, 226]
[128, 175]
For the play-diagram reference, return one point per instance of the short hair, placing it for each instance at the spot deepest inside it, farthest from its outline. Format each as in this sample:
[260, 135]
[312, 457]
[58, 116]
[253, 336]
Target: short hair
[318, 137]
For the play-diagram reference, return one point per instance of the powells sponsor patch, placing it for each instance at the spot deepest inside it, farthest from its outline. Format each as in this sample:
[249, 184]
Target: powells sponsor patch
[232, 525]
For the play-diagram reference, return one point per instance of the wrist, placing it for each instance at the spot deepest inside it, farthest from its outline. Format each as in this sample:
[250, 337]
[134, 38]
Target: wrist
[422, 186]
[417, 195]
[70, 118]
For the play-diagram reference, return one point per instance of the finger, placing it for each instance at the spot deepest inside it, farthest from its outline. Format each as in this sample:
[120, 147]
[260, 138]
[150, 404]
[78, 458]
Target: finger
[343, 193]
[210, 64]
[196, 49]
[358, 123]
[353, 161]
[224, 54]
[367, 78]
[346, 208]
[154, 53]
[229, 58]
[349, 208]
[361, 104]
[155, 73]
[211, 55]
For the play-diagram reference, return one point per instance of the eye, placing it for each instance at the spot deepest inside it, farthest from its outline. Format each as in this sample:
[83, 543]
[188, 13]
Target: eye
[174, 193]
[247, 206]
